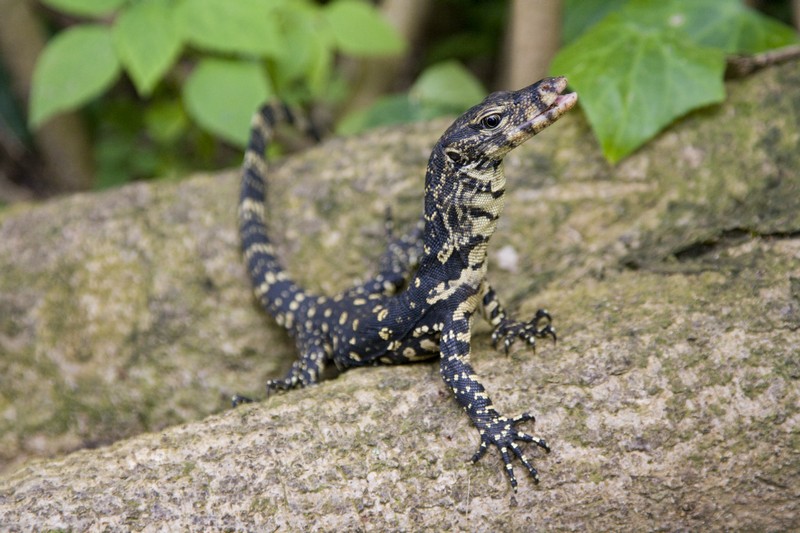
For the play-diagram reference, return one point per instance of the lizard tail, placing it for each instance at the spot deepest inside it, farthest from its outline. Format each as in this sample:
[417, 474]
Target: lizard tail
[276, 292]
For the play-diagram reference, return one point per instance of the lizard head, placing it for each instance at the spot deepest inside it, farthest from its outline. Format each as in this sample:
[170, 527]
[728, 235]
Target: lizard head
[504, 120]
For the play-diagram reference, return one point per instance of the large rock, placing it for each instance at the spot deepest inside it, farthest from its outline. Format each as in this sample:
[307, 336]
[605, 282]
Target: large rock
[670, 401]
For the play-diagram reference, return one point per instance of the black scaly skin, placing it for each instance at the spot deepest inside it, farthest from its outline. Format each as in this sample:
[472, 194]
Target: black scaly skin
[376, 322]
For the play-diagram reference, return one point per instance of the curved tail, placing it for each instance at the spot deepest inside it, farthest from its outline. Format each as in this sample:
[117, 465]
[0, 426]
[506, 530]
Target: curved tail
[276, 292]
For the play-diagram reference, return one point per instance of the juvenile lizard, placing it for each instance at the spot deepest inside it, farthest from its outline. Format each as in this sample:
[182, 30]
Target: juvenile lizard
[386, 320]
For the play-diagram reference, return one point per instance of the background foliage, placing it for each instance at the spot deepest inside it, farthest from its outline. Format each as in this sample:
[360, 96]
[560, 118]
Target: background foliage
[168, 79]
[246, 52]
[638, 65]
[169, 85]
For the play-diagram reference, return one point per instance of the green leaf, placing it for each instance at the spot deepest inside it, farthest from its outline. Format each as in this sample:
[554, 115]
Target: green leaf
[387, 110]
[77, 65]
[446, 88]
[232, 26]
[300, 34]
[166, 122]
[320, 69]
[147, 42]
[651, 62]
[90, 8]
[307, 58]
[360, 30]
[725, 24]
[449, 85]
[222, 96]
[634, 80]
[580, 15]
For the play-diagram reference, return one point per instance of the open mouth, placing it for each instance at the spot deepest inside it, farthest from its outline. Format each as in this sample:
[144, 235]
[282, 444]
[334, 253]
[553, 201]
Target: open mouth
[565, 102]
[558, 104]
[545, 106]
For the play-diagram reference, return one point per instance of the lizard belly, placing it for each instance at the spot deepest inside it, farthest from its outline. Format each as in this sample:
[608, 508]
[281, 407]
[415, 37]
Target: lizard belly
[379, 335]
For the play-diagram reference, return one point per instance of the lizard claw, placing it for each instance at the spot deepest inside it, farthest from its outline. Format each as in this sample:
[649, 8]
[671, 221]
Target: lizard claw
[509, 330]
[502, 433]
[238, 399]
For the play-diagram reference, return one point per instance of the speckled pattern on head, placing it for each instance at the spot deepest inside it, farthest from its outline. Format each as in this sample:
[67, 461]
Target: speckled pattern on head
[431, 281]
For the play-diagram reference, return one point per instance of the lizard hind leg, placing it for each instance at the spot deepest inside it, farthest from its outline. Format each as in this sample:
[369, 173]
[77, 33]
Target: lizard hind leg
[305, 371]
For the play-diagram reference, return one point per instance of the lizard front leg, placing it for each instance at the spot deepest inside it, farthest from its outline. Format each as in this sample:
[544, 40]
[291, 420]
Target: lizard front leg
[508, 330]
[495, 429]
[402, 254]
[397, 263]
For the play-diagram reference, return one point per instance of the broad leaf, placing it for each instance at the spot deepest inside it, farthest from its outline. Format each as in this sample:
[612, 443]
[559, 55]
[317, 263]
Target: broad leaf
[299, 33]
[77, 65]
[166, 121]
[726, 24]
[231, 26]
[308, 50]
[360, 30]
[147, 42]
[222, 96]
[385, 111]
[448, 85]
[651, 62]
[89, 8]
[446, 88]
[580, 15]
[634, 80]
[320, 69]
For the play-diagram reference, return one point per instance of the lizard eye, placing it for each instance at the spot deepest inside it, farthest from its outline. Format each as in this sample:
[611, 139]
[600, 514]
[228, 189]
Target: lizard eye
[490, 122]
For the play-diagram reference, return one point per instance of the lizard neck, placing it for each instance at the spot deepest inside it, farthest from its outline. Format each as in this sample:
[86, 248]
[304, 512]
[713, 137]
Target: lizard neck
[463, 202]
[462, 205]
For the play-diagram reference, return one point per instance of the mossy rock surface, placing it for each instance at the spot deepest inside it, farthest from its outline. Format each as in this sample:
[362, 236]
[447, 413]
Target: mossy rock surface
[670, 401]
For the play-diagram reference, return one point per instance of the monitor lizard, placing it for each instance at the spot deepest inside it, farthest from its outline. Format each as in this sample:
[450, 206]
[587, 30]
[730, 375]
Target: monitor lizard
[392, 318]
